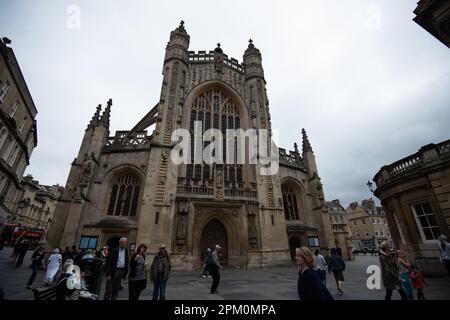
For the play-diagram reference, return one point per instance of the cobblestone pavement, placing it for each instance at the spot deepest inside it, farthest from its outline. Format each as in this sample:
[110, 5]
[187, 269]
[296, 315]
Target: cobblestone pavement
[277, 283]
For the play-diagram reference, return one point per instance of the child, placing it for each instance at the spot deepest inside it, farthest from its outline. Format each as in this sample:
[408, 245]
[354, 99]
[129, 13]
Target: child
[418, 281]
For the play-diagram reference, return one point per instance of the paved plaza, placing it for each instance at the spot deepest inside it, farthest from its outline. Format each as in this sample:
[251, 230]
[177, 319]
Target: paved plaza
[278, 283]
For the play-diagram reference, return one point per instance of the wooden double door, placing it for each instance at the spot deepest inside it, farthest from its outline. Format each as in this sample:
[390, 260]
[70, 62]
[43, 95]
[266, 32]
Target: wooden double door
[214, 234]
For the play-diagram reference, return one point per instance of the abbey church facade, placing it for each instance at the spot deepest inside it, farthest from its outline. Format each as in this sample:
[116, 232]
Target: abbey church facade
[126, 185]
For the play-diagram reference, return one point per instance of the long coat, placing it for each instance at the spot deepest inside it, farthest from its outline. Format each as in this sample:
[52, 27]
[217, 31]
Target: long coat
[389, 271]
[111, 262]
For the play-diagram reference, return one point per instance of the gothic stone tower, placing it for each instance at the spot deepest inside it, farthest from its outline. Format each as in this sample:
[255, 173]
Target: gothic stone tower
[128, 185]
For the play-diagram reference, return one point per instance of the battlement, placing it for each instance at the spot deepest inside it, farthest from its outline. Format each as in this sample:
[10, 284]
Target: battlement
[205, 57]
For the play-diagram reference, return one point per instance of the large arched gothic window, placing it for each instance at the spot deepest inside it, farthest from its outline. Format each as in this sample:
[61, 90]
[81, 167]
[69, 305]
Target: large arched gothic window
[124, 194]
[214, 109]
[290, 202]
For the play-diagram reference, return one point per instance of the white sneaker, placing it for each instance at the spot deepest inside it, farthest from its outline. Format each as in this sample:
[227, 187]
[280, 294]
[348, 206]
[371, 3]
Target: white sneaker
[203, 276]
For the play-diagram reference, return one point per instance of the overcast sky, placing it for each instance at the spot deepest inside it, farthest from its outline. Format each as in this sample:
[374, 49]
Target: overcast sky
[368, 84]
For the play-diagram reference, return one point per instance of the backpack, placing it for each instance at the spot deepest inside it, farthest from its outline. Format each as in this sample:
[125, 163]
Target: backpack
[209, 259]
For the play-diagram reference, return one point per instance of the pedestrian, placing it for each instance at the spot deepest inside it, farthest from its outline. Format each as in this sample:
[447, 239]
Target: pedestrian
[67, 254]
[23, 249]
[54, 264]
[337, 266]
[74, 253]
[69, 282]
[137, 278]
[208, 260]
[159, 273]
[87, 255]
[444, 252]
[2, 243]
[404, 268]
[116, 269]
[390, 272]
[214, 269]
[320, 266]
[309, 284]
[418, 281]
[15, 252]
[37, 260]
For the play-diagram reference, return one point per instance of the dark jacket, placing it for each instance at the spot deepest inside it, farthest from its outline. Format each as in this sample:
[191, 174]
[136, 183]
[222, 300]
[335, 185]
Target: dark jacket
[111, 262]
[310, 287]
[389, 272]
[154, 268]
[336, 263]
[23, 249]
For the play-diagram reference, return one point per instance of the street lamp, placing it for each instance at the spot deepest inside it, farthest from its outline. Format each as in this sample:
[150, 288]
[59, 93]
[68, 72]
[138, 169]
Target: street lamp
[370, 185]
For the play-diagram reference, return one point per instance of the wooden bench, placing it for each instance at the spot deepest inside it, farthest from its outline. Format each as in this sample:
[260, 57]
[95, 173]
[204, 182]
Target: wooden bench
[43, 294]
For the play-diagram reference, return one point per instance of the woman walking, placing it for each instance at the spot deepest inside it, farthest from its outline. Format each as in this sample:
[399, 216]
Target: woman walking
[320, 266]
[337, 266]
[309, 285]
[37, 260]
[404, 267]
[53, 266]
[444, 252]
[390, 273]
[137, 278]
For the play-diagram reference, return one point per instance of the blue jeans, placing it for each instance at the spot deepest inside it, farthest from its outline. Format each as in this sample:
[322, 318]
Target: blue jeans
[160, 287]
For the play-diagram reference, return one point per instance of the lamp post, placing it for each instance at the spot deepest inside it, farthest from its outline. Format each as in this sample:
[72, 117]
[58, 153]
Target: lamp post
[370, 185]
[20, 205]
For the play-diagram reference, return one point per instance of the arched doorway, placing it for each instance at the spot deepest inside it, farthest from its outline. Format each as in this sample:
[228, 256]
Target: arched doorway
[215, 233]
[112, 243]
[294, 243]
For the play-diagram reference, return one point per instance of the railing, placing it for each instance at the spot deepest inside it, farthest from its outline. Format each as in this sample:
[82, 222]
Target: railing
[203, 56]
[241, 193]
[206, 188]
[195, 190]
[125, 141]
[444, 148]
[406, 164]
[291, 159]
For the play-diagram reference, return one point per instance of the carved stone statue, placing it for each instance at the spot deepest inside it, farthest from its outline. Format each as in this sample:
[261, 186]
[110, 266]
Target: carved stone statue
[181, 226]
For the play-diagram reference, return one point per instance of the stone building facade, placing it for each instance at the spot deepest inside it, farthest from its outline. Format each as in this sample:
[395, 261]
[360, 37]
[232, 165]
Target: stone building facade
[40, 203]
[434, 16]
[415, 194]
[341, 230]
[128, 185]
[368, 223]
[18, 134]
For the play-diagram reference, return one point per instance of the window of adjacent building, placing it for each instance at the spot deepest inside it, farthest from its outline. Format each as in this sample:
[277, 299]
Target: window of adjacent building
[364, 221]
[13, 155]
[8, 149]
[14, 109]
[3, 136]
[426, 221]
[4, 87]
[313, 241]
[273, 219]
[376, 232]
[354, 222]
[124, 195]
[88, 242]
[373, 220]
[2, 183]
[22, 125]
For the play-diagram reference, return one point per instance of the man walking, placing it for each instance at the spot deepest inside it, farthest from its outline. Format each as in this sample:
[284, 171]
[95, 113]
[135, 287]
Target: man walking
[116, 269]
[159, 273]
[22, 252]
[37, 260]
[214, 270]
